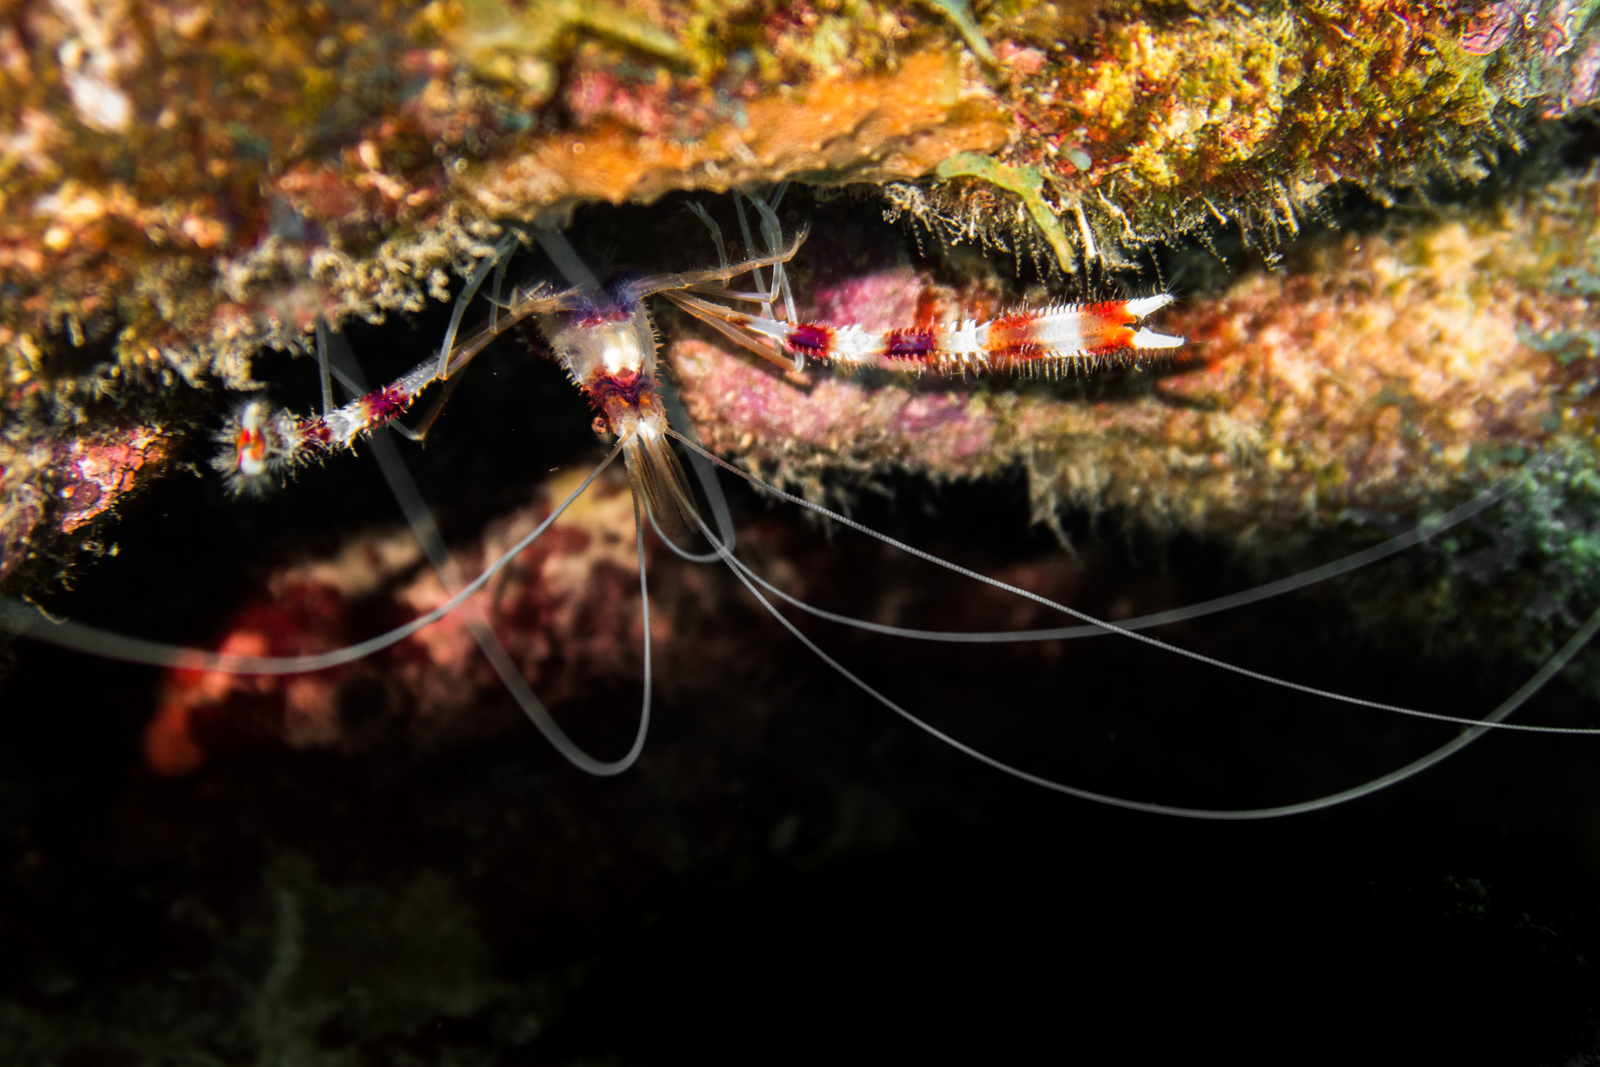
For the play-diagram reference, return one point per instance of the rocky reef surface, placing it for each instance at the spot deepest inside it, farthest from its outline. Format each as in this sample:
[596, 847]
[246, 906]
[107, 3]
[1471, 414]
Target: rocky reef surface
[187, 187]
[1380, 221]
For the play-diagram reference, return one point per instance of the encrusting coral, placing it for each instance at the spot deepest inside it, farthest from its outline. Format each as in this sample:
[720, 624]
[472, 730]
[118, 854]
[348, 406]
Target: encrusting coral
[185, 186]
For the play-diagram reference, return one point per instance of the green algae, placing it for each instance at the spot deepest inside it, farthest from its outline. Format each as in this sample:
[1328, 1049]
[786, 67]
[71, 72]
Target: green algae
[1027, 184]
[1515, 582]
[492, 33]
[959, 12]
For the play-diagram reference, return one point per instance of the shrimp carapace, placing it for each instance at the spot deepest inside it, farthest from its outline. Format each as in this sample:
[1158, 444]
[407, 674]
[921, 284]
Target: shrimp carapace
[609, 347]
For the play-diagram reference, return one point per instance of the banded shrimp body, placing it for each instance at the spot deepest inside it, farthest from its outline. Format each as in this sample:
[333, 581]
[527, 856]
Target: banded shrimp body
[603, 336]
[748, 720]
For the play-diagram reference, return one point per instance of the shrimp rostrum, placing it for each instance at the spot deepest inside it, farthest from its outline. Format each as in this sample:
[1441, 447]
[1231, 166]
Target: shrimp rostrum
[603, 336]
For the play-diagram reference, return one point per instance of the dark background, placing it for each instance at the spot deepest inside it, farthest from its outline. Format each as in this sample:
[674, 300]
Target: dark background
[790, 873]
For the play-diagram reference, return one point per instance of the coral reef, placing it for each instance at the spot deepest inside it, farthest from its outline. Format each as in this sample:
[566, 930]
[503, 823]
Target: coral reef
[181, 197]
[185, 185]
[384, 863]
[1375, 370]
[418, 878]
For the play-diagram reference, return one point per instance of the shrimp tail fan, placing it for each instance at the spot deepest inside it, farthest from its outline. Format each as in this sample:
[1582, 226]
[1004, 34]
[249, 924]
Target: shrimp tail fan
[655, 472]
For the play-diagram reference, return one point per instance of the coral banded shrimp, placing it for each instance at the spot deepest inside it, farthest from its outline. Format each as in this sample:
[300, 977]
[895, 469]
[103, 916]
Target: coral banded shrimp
[605, 339]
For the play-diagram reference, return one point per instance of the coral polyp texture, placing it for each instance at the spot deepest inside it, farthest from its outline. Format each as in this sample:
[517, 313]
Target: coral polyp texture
[184, 186]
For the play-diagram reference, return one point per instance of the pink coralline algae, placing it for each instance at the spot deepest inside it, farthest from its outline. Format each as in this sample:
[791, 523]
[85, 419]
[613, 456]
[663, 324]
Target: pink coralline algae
[100, 471]
[744, 407]
[1543, 50]
[849, 425]
[60, 485]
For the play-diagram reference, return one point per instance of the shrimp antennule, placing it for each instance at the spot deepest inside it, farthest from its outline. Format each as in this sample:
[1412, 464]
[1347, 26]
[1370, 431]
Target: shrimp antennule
[654, 470]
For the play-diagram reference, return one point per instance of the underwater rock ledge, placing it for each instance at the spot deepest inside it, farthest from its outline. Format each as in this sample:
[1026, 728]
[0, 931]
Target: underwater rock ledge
[188, 186]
